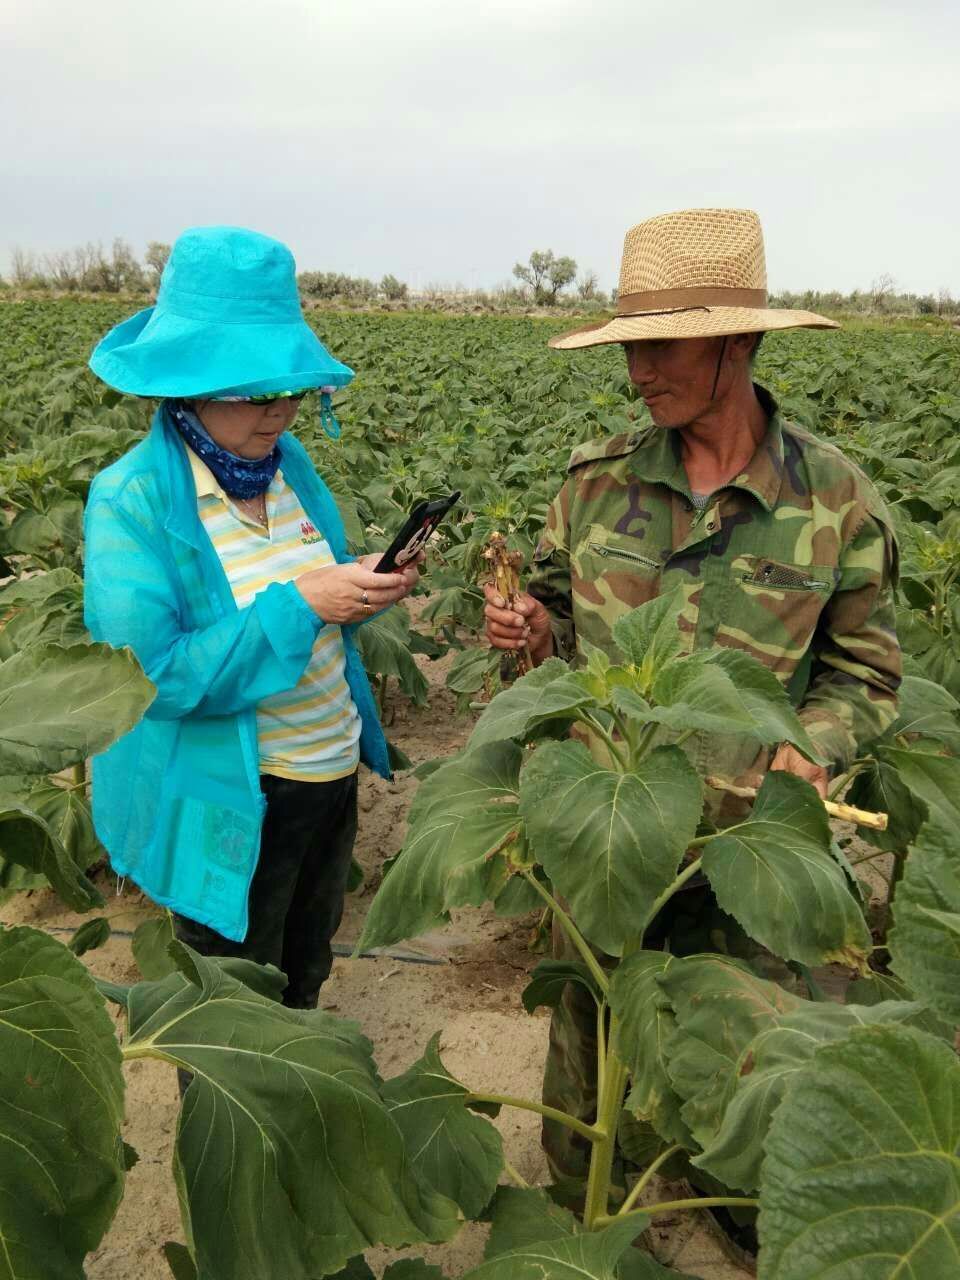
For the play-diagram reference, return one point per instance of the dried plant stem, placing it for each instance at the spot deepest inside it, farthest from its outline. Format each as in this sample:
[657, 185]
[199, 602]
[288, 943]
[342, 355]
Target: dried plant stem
[845, 812]
[505, 567]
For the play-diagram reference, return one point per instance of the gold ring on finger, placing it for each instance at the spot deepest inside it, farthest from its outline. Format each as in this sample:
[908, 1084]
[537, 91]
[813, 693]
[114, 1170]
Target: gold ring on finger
[364, 599]
[367, 608]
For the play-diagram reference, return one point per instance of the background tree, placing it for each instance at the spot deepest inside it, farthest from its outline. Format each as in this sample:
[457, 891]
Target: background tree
[546, 274]
[588, 289]
[334, 284]
[121, 272]
[393, 290]
[156, 258]
[880, 290]
[25, 272]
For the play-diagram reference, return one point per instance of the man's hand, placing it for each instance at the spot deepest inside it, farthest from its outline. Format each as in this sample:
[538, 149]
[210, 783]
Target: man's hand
[527, 623]
[789, 760]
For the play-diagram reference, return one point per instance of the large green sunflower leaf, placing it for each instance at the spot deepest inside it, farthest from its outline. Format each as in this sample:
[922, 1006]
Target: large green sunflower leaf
[645, 1024]
[67, 812]
[61, 1107]
[29, 841]
[180, 1261]
[525, 1216]
[453, 1150]
[925, 939]
[16, 879]
[150, 946]
[934, 778]
[695, 693]
[60, 588]
[550, 979]
[384, 644]
[610, 842]
[287, 1159]
[93, 933]
[412, 1269]
[589, 1255]
[524, 1221]
[766, 701]
[462, 813]
[719, 1006]
[550, 692]
[59, 706]
[763, 1073]
[649, 636]
[928, 710]
[877, 987]
[51, 536]
[775, 874]
[880, 789]
[861, 1175]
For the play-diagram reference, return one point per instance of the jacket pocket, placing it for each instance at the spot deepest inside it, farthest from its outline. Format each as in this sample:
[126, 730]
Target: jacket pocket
[614, 552]
[775, 576]
[202, 860]
[609, 575]
[772, 609]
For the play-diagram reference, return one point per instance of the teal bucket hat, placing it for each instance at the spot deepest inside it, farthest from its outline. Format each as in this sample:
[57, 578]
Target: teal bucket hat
[227, 322]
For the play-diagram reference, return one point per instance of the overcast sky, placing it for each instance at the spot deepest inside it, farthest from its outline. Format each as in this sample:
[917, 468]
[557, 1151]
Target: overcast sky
[442, 140]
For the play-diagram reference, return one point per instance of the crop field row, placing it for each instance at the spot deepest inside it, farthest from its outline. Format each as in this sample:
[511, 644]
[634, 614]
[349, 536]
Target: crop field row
[294, 1158]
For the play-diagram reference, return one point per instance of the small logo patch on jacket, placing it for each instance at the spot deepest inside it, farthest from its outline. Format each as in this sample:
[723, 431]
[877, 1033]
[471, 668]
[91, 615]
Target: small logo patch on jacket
[308, 533]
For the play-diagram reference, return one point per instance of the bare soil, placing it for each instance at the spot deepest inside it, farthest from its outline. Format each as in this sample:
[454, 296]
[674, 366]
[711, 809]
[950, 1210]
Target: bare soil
[464, 981]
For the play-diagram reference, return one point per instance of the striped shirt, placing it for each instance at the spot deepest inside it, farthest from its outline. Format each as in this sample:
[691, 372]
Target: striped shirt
[310, 732]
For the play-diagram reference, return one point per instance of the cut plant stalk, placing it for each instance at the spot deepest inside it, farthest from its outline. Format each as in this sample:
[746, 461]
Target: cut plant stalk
[845, 812]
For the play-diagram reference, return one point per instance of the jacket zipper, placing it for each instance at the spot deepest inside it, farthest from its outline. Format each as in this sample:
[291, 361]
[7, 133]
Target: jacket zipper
[807, 584]
[602, 550]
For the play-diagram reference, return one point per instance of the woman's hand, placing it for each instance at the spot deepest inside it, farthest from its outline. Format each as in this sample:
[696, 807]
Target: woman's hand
[410, 572]
[527, 623]
[338, 594]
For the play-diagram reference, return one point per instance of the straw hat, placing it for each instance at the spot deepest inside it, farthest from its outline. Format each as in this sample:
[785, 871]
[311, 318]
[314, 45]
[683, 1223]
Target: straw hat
[698, 273]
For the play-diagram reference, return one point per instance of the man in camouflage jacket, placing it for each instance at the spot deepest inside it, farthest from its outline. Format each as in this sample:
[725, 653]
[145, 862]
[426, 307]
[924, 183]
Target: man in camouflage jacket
[792, 561]
[782, 548]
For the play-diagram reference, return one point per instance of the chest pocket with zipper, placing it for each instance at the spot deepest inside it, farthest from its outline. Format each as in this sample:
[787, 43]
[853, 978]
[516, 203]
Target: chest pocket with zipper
[773, 608]
[610, 574]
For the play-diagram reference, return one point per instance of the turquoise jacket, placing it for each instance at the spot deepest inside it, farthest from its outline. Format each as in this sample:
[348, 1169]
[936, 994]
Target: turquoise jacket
[177, 801]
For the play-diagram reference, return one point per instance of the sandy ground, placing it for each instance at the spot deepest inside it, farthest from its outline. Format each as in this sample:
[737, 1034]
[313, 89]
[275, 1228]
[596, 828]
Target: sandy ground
[470, 992]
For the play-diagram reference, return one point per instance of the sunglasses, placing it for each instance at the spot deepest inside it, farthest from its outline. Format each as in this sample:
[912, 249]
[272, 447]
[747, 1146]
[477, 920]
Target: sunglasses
[280, 395]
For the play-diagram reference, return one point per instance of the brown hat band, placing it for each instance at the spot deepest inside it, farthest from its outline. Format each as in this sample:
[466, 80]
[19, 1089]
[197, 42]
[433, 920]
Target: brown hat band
[629, 304]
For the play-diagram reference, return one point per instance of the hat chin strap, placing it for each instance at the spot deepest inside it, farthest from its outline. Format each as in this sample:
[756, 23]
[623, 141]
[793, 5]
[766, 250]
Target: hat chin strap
[716, 376]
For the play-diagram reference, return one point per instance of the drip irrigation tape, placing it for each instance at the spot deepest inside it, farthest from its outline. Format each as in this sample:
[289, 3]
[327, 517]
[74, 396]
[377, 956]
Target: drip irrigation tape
[339, 948]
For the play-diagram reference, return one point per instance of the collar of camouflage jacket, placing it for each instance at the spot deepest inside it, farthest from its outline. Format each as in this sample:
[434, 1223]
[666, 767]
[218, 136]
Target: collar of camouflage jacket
[762, 478]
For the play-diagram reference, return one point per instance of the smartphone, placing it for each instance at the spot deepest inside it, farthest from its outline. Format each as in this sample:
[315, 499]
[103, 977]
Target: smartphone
[421, 523]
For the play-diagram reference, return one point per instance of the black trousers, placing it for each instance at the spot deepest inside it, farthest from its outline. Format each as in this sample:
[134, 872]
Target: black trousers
[297, 892]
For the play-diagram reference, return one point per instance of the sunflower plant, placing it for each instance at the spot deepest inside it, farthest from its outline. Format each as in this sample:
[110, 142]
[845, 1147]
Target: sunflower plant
[574, 792]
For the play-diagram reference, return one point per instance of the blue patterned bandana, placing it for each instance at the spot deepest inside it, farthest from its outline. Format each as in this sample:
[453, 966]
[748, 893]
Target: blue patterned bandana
[238, 477]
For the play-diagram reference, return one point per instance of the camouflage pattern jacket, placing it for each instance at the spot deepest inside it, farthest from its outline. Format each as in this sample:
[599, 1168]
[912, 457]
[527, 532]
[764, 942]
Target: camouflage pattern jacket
[794, 561]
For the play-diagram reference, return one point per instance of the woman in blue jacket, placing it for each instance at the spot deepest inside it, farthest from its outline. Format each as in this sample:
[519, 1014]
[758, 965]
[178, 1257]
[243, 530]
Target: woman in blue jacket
[217, 554]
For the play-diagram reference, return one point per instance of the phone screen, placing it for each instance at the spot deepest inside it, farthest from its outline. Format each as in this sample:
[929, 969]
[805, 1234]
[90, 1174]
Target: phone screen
[411, 539]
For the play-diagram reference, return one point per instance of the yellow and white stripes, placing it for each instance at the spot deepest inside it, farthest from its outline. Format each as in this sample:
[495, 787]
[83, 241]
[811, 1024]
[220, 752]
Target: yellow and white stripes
[310, 732]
